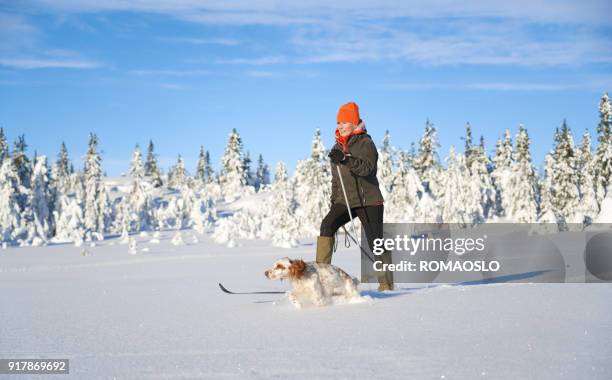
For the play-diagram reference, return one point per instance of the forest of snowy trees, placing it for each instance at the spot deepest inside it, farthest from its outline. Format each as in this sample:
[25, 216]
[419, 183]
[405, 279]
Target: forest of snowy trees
[42, 203]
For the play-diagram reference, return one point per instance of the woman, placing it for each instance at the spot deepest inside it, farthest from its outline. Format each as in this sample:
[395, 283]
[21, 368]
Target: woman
[356, 156]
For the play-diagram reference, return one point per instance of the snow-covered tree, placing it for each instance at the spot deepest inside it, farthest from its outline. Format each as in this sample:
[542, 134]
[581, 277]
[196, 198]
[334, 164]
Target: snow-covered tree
[93, 190]
[481, 178]
[427, 164]
[11, 226]
[312, 183]
[469, 150]
[4, 149]
[70, 224]
[151, 168]
[136, 168]
[246, 164]
[233, 177]
[461, 203]
[200, 173]
[40, 199]
[565, 195]
[502, 172]
[282, 206]
[177, 176]
[602, 160]
[404, 200]
[203, 212]
[385, 165]
[140, 197]
[584, 171]
[21, 161]
[547, 215]
[262, 175]
[61, 170]
[522, 207]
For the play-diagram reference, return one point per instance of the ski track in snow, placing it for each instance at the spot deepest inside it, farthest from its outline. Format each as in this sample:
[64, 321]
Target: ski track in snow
[160, 314]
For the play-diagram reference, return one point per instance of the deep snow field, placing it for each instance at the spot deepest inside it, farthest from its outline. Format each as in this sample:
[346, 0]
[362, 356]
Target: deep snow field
[160, 314]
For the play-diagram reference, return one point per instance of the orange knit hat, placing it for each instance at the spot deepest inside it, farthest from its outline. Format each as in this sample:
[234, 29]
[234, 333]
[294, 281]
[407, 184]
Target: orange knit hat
[349, 113]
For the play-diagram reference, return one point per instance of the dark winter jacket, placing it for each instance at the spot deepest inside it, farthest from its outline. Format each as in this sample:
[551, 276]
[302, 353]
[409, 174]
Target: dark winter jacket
[358, 174]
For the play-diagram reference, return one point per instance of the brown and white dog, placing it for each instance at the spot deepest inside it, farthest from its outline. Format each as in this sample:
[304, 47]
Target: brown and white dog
[313, 282]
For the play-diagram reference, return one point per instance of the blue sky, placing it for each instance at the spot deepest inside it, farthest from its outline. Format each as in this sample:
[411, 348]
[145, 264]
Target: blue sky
[183, 73]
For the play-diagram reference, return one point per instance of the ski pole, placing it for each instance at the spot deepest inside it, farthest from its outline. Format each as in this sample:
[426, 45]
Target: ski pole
[348, 207]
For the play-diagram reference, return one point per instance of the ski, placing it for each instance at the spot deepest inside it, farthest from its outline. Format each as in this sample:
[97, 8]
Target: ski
[225, 290]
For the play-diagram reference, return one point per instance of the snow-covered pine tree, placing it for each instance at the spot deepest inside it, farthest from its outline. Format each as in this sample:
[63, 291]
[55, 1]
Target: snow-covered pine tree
[547, 214]
[177, 175]
[93, 190]
[407, 190]
[233, 177]
[427, 164]
[262, 175]
[151, 168]
[61, 170]
[23, 167]
[565, 196]
[481, 178]
[4, 149]
[312, 184]
[502, 172]
[522, 207]
[140, 197]
[385, 165]
[200, 174]
[461, 203]
[70, 224]
[246, 163]
[68, 210]
[602, 160]
[203, 212]
[282, 206]
[11, 226]
[40, 199]
[584, 161]
[469, 146]
[136, 167]
[21, 162]
[209, 173]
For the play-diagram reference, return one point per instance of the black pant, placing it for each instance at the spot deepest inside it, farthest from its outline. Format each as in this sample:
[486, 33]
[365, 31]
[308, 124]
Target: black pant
[371, 218]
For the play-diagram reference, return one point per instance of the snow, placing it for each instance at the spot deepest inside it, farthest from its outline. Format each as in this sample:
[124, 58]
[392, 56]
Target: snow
[160, 314]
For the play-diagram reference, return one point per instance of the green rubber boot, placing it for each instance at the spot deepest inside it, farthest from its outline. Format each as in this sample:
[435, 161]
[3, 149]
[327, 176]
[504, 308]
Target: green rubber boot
[385, 282]
[325, 248]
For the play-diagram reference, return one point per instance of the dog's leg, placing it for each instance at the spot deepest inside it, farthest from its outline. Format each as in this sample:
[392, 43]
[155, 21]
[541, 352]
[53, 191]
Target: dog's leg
[351, 288]
[293, 299]
[318, 296]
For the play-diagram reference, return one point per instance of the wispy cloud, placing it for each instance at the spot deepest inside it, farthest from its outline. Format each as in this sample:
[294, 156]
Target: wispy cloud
[271, 60]
[203, 41]
[172, 73]
[264, 74]
[492, 86]
[428, 32]
[452, 42]
[45, 63]
[20, 48]
[292, 12]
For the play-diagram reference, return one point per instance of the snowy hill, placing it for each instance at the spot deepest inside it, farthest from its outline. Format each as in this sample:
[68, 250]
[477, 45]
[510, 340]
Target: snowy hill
[160, 314]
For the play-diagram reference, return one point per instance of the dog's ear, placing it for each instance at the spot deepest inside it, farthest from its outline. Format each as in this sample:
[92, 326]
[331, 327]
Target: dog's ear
[296, 269]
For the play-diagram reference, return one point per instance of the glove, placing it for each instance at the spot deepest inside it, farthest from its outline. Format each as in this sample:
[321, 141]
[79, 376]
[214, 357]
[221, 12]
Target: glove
[336, 156]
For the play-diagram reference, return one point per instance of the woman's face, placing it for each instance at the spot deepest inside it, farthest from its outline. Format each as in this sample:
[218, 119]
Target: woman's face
[345, 128]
